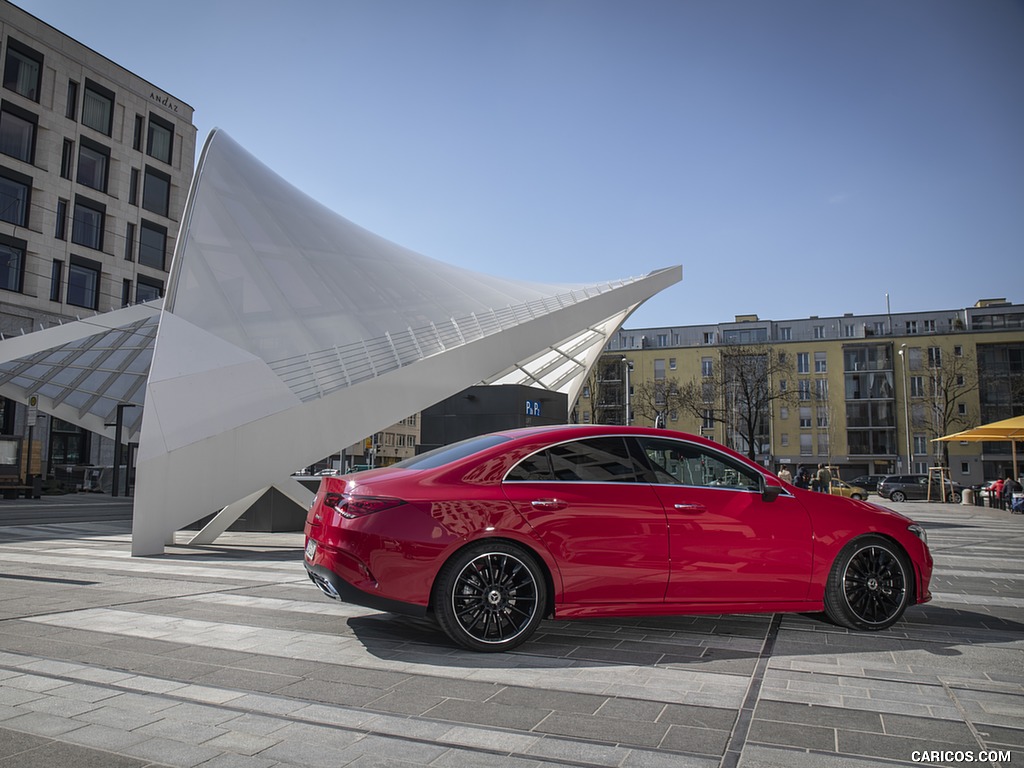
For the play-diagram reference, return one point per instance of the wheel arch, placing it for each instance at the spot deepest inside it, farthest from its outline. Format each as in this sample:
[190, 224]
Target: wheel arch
[530, 549]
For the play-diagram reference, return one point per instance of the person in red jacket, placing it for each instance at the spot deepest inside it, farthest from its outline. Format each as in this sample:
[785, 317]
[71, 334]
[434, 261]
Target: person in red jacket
[995, 494]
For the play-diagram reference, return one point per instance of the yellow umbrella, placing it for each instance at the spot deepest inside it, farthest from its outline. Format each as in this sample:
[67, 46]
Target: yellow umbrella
[1010, 430]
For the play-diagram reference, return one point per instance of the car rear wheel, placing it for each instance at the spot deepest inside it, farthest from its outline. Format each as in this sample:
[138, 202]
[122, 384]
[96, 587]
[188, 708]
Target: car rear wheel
[490, 596]
[856, 496]
[897, 496]
[870, 585]
[955, 497]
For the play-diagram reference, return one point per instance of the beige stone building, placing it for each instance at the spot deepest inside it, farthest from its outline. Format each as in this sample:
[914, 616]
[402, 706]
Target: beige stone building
[95, 165]
[864, 393]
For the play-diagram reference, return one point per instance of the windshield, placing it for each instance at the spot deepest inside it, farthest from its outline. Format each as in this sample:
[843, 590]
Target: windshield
[448, 453]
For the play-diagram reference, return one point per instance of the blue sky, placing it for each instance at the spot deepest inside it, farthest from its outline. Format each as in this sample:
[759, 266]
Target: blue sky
[797, 157]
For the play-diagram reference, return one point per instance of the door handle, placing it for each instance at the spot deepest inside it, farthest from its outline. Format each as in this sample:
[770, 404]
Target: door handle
[548, 504]
[690, 507]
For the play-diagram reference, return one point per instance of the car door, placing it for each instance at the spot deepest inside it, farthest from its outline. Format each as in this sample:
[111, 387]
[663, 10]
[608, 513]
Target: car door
[588, 502]
[726, 542]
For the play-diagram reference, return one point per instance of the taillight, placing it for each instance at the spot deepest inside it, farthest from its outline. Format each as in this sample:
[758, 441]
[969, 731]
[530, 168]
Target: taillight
[351, 506]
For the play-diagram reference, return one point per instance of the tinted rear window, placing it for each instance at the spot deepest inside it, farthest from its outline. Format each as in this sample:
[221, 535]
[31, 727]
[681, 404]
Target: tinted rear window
[449, 453]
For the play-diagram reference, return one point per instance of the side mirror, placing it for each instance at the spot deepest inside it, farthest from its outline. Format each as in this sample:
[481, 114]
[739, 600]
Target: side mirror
[770, 492]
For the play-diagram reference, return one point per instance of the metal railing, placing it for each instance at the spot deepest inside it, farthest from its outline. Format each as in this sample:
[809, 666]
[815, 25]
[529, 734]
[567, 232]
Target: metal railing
[314, 374]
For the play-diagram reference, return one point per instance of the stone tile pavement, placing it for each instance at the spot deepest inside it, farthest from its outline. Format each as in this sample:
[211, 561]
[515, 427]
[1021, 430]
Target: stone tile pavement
[226, 655]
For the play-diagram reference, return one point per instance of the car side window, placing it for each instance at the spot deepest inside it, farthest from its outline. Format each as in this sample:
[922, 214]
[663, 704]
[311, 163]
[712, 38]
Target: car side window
[676, 462]
[597, 460]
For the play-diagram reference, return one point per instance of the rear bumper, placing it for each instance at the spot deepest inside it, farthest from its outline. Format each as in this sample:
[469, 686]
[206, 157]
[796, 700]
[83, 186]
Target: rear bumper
[336, 588]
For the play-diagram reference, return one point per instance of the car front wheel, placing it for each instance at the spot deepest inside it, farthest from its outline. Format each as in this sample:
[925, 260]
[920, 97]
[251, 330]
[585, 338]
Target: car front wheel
[897, 496]
[870, 584]
[490, 596]
[955, 497]
[857, 496]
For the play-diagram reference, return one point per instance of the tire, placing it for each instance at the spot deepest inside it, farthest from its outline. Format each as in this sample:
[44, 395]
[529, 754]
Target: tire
[897, 496]
[490, 596]
[857, 496]
[955, 497]
[870, 585]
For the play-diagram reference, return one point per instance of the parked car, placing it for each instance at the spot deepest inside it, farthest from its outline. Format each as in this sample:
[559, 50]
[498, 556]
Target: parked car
[850, 491]
[915, 487]
[868, 482]
[491, 535]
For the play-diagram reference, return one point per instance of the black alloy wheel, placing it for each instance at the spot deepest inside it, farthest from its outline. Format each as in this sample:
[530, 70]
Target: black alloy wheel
[490, 596]
[870, 585]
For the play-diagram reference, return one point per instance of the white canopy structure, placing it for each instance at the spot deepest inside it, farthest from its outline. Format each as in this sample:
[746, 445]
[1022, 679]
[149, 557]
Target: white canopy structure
[289, 332]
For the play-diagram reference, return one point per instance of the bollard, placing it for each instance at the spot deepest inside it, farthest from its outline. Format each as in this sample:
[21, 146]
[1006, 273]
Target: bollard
[967, 497]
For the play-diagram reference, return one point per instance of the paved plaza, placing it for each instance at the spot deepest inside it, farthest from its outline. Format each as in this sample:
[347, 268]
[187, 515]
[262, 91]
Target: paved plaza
[226, 655]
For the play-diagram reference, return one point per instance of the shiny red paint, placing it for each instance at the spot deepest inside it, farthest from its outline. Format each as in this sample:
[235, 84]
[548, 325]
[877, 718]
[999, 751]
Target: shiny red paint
[645, 547]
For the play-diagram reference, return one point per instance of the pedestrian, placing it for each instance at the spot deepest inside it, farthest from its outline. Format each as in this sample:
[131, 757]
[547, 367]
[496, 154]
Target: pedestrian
[995, 494]
[785, 475]
[824, 478]
[1010, 487]
[803, 478]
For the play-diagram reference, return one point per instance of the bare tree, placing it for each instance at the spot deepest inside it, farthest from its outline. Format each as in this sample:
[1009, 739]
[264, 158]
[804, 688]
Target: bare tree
[949, 379]
[653, 399]
[605, 387]
[739, 391]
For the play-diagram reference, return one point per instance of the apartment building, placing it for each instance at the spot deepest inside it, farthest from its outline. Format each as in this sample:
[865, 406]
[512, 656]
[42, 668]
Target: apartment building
[95, 165]
[865, 393]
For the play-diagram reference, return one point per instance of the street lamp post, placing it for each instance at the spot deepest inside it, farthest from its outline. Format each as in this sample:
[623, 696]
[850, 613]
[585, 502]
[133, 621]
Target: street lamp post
[629, 367]
[906, 406]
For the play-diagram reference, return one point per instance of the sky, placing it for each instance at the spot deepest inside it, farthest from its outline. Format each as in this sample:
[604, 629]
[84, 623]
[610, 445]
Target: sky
[796, 157]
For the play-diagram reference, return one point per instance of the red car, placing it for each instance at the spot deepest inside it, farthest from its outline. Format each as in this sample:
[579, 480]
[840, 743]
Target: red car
[493, 534]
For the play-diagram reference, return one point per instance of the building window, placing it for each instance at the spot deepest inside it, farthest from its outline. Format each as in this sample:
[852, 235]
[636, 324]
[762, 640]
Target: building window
[152, 245]
[98, 108]
[87, 226]
[147, 290]
[586, 417]
[140, 126]
[911, 326]
[805, 417]
[56, 277]
[920, 445]
[822, 416]
[785, 333]
[709, 337]
[821, 389]
[662, 337]
[160, 140]
[708, 419]
[71, 108]
[965, 468]
[14, 197]
[819, 331]
[820, 362]
[706, 366]
[659, 370]
[961, 409]
[126, 292]
[133, 188]
[823, 443]
[17, 133]
[60, 231]
[156, 191]
[805, 444]
[23, 70]
[783, 385]
[934, 357]
[917, 386]
[84, 283]
[784, 413]
[929, 326]
[129, 242]
[671, 363]
[784, 438]
[958, 351]
[803, 389]
[803, 362]
[849, 331]
[93, 162]
[12, 263]
[67, 159]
